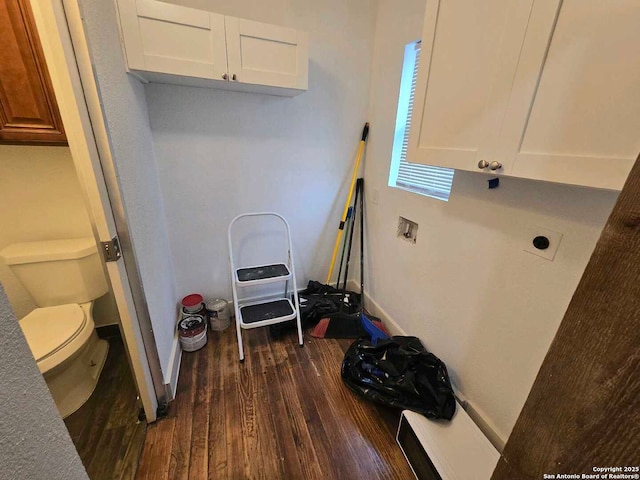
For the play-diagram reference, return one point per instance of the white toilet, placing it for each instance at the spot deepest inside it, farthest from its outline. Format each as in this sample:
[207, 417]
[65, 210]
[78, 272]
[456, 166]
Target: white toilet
[64, 277]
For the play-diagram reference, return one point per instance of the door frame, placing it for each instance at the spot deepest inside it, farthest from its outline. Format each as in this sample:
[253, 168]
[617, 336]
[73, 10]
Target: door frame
[66, 51]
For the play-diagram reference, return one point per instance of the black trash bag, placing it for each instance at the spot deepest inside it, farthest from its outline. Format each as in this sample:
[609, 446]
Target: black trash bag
[316, 306]
[401, 373]
[318, 301]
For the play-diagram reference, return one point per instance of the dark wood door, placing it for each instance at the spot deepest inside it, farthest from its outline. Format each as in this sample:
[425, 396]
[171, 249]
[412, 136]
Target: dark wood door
[28, 110]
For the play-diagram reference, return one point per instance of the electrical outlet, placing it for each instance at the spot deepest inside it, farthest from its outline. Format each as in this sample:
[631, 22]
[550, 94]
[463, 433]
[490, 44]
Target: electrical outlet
[542, 242]
[375, 193]
[407, 230]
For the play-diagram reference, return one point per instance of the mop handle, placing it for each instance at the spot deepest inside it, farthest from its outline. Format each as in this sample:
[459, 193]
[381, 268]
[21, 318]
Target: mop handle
[343, 219]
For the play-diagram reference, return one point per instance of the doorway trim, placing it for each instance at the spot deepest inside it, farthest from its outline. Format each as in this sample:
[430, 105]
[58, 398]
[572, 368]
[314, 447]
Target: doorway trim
[66, 50]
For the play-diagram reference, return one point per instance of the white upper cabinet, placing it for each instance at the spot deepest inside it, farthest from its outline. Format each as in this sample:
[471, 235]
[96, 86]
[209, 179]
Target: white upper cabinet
[266, 54]
[461, 59]
[545, 89]
[169, 43]
[164, 38]
[580, 123]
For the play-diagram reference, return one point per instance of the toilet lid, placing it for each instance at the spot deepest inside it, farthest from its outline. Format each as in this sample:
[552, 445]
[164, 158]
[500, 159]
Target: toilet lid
[51, 328]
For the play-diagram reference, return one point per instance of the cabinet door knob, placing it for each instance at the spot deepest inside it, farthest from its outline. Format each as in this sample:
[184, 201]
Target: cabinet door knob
[482, 164]
[234, 78]
[495, 165]
[225, 76]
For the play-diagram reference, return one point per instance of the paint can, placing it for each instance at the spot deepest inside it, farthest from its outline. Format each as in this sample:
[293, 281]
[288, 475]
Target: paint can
[219, 317]
[192, 332]
[192, 303]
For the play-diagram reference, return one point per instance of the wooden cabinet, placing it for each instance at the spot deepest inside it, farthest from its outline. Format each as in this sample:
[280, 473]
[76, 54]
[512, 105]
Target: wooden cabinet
[168, 43]
[28, 110]
[546, 88]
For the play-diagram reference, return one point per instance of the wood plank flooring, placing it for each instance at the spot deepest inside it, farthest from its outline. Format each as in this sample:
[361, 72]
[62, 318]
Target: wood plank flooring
[105, 430]
[283, 414]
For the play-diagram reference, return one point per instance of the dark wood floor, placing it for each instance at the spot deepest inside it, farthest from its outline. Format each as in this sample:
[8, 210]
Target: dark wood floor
[105, 430]
[283, 414]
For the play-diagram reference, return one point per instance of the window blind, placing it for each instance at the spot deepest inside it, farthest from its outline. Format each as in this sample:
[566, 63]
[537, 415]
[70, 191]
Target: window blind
[423, 179]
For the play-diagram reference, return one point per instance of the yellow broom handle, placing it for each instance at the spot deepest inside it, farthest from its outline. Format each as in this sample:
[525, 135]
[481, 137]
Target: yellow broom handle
[343, 219]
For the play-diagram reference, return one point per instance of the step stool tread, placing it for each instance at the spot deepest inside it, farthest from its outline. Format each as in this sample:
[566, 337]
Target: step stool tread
[266, 311]
[262, 272]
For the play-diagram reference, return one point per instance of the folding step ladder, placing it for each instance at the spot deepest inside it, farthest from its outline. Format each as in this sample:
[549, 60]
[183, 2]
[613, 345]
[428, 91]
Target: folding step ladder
[275, 308]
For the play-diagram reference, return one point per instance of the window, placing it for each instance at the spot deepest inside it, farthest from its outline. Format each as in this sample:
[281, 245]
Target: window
[423, 179]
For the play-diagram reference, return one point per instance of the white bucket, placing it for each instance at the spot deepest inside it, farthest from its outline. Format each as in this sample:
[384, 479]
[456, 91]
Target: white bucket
[219, 317]
[191, 344]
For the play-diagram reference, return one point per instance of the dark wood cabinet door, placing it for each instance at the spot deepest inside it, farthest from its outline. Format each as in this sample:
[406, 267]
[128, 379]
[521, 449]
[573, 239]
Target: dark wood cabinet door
[28, 110]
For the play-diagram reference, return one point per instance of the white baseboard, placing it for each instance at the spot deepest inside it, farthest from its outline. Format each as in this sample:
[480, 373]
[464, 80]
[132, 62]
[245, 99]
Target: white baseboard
[171, 377]
[487, 426]
[481, 420]
[377, 311]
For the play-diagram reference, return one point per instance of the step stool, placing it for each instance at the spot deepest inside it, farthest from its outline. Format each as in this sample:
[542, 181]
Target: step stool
[274, 309]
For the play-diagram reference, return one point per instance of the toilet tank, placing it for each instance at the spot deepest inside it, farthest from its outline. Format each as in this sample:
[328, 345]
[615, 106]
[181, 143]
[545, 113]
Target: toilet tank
[56, 272]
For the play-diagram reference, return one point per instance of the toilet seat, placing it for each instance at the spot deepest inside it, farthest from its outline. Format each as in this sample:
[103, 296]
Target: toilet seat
[55, 333]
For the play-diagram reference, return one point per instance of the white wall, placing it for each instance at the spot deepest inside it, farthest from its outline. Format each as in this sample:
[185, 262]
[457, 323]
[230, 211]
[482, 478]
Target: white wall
[34, 442]
[223, 153]
[41, 199]
[126, 116]
[487, 308]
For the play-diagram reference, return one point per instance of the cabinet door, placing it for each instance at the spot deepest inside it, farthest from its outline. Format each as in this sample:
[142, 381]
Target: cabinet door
[468, 57]
[576, 118]
[164, 38]
[28, 109]
[265, 54]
